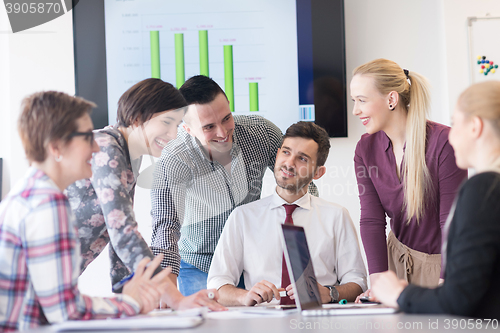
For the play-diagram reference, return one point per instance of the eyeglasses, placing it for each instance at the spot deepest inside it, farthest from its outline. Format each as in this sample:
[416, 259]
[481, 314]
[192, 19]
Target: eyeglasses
[89, 136]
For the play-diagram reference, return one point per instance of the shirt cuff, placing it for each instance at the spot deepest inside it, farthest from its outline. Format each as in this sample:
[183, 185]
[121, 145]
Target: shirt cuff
[404, 299]
[169, 259]
[360, 281]
[219, 281]
[130, 305]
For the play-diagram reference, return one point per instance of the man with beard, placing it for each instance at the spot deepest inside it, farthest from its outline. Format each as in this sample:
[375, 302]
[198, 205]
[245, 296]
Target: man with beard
[250, 242]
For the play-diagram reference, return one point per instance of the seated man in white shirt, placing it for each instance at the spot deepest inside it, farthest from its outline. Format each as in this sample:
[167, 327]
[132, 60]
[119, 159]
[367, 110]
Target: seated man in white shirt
[250, 242]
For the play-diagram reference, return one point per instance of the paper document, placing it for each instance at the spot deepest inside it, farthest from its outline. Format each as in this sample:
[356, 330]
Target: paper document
[155, 320]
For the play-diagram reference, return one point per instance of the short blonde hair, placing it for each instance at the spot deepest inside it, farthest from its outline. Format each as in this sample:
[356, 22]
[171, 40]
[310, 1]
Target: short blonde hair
[47, 117]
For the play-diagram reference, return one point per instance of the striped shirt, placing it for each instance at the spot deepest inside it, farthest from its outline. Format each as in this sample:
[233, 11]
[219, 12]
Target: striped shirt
[192, 196]
[40, 260]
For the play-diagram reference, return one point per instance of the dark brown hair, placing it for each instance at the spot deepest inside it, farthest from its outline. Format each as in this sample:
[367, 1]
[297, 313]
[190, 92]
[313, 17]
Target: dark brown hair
[145, 98]
[309, 130]
[200, 89]
[47, 117]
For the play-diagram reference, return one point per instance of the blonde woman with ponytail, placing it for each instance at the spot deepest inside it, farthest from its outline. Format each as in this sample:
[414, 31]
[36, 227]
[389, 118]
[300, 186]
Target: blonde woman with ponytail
[405, 169]
[471, 246]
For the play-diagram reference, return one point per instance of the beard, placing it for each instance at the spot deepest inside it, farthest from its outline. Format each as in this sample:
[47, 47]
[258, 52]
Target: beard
[293, 186]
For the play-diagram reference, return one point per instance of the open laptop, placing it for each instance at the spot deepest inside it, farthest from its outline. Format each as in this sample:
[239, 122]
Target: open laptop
[307, 297]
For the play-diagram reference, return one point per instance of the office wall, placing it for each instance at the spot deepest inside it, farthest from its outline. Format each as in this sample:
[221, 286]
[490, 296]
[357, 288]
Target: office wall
[38, 59]
[426, 36]
[457, 52]
[4, 92]
[376, 29]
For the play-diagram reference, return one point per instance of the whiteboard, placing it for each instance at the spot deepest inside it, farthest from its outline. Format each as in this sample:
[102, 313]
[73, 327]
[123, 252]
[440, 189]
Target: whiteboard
[483, 44]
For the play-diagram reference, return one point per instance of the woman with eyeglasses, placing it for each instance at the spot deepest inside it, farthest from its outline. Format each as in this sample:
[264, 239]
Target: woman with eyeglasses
[39, 250]
[148, 116]
[471, 247]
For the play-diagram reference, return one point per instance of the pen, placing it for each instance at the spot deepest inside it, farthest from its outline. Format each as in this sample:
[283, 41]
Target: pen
[119, 285]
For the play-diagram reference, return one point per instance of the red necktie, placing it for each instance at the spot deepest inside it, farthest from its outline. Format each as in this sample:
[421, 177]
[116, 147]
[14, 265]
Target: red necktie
[285, 278]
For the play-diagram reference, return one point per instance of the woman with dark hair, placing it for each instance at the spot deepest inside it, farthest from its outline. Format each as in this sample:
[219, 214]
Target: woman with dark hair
[148, 116]
[471, 247]
[38, 244]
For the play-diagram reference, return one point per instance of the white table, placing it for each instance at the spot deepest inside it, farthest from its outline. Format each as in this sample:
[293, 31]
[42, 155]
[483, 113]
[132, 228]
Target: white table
[399, 322]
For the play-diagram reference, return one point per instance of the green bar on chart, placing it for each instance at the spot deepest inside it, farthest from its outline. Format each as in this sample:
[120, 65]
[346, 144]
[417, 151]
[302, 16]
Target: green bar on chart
[180, 76]
[203, 42]
[228, 75]
[253, 88]
[154, 37]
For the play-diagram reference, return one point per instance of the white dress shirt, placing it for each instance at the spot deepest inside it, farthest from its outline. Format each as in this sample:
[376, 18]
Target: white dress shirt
[251, 243]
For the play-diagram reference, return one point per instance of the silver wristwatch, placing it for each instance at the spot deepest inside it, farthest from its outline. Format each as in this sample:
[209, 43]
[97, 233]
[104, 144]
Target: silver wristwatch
[334, 294]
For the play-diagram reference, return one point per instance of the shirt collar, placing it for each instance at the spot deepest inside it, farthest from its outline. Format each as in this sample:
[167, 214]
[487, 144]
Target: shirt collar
[302, 202]
[387, 142]
[38, 174]
[235, 149]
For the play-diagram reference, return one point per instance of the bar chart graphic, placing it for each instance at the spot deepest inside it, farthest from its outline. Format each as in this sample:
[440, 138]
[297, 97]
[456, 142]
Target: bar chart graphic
[180, 72]
[203, 42]
[155, 54]
[253, 88]
[248, 48]
[228, 75]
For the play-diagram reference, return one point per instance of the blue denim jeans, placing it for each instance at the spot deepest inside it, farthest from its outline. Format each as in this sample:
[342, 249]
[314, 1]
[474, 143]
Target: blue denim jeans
[191, 279]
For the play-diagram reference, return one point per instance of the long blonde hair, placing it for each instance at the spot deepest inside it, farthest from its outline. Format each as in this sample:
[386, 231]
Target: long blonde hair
[414, 97]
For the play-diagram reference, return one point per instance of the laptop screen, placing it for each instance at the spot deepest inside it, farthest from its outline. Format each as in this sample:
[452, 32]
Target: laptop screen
[302, 273]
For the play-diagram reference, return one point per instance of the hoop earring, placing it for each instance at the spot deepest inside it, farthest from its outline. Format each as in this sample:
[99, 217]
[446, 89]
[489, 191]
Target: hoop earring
[58, 158]
[392, 108]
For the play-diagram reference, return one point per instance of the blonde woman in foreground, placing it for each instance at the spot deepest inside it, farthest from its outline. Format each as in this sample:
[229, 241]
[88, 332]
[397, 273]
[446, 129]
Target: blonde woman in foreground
[471, 252]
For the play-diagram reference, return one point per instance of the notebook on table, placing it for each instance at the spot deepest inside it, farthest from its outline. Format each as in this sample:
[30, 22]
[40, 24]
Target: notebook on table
[155, 320]
[303, 278]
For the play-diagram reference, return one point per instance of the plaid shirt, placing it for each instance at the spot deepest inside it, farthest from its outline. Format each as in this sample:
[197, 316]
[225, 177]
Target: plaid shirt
[192, 196]
[40, 260]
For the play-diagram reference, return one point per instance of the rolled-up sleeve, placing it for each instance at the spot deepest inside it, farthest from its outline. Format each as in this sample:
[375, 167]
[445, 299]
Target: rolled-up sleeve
[227, 262]
[350, 266]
